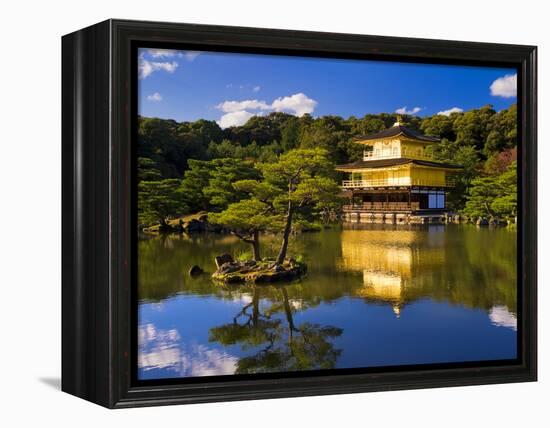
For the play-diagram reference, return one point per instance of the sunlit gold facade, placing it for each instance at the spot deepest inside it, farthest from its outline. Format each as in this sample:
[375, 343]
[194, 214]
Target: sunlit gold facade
[397, 175]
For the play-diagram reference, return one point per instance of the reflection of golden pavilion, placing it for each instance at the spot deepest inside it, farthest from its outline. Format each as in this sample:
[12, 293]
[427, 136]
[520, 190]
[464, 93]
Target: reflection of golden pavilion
[390, 260]
[383, 286]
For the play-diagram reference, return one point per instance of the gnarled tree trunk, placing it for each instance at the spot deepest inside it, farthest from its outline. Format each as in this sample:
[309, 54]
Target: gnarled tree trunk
[255, 242]
[286, 235]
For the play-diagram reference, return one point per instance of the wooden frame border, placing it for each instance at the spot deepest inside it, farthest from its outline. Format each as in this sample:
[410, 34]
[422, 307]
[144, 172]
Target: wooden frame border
[97, 258]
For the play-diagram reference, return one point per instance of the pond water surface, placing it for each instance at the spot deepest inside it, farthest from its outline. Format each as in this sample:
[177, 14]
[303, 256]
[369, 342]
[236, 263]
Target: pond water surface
[374, 295]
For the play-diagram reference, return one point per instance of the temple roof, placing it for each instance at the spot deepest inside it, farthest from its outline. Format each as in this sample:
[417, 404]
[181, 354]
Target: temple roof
[382, 163]
[394, 131]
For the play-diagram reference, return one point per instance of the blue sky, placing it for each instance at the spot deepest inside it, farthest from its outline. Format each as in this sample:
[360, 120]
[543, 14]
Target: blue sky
[230, 88]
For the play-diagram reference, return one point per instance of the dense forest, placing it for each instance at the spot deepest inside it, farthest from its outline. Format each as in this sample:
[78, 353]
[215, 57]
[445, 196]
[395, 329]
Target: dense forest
[186, 167]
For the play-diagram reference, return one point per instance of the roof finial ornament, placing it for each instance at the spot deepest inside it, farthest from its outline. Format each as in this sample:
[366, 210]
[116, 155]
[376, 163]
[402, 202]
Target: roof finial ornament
[399, 121]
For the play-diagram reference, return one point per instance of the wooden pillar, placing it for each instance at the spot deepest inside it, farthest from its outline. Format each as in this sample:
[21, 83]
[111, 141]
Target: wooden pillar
[409, 198]
[387, 199]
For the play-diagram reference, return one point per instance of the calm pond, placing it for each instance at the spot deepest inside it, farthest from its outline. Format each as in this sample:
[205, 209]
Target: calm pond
[374, 295]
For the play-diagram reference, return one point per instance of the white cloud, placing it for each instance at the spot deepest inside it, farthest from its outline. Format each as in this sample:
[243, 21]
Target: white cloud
[146, 67]
[450, 111]
[505, 86]
[163, 53]
[234, 106]
[191, 55]
[235, 118]
[255, 88]
[298, 104]
[238, 112]
[171, 53]
[154, 97]
[403, 110]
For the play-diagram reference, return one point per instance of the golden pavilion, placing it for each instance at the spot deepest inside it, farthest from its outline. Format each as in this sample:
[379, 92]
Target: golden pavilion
[397, 180]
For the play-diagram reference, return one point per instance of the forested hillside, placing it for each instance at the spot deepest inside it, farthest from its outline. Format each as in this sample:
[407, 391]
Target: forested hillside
[185, 167]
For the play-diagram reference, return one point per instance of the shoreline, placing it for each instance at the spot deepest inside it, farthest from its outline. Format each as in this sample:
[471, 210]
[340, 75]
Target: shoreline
[198, 224]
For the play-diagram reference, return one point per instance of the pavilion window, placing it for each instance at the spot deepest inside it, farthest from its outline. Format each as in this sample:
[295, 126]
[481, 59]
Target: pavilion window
[436, 200]
[441, 200]
[432, 200]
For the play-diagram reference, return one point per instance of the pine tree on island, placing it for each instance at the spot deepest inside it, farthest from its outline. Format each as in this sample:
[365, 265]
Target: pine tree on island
[298, 186]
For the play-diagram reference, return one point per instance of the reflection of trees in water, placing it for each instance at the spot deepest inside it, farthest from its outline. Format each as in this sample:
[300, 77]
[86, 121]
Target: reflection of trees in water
[455, 264]
[283, 344]
[461, 265]
[163, 263]
[159, 273]
[480, 270]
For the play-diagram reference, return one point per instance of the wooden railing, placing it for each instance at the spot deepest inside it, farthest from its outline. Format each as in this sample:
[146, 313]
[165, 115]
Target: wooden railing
[390, 182]
[383, 206]
[415, 154]
[400, 153]
[372, 155]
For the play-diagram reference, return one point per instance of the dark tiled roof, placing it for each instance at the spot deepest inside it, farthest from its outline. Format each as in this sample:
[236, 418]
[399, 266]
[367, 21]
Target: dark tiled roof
[394, 131]
[381, 163]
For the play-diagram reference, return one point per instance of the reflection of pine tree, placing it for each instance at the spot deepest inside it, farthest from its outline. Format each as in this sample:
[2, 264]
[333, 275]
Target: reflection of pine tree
[284, 346]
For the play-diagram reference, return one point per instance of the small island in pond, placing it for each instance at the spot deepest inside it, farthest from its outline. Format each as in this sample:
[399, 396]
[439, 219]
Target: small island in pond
[265, 271]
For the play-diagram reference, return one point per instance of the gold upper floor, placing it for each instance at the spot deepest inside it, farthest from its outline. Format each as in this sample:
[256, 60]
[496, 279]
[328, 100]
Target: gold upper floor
[397, 156]
[399, 175]
[398, 148]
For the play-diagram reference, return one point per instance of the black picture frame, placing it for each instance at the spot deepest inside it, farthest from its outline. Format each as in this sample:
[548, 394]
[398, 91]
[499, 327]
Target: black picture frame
[98, 251]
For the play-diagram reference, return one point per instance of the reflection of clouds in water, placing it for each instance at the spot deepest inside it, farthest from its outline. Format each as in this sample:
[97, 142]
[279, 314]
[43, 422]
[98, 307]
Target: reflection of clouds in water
[243, 298]
[201, 361]
[158, 306]
[148, 333]
[296, 304]
[162, 349]
[502, 317]
[158, 348]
